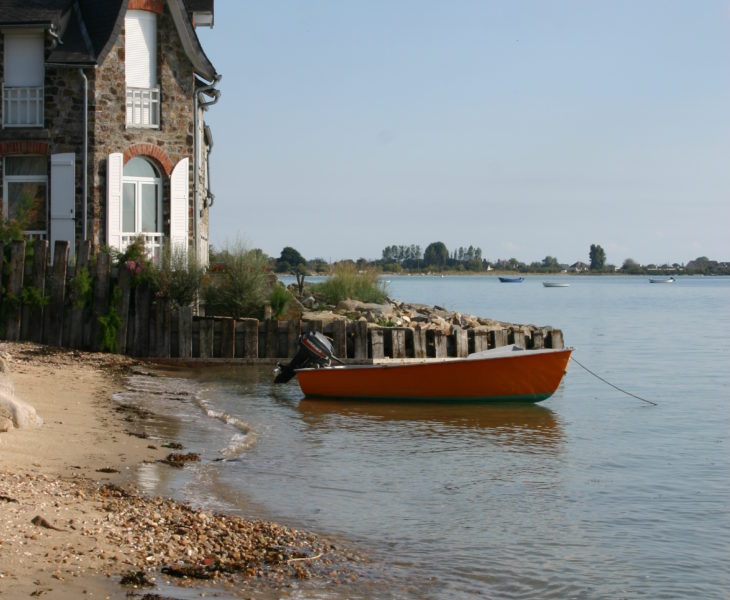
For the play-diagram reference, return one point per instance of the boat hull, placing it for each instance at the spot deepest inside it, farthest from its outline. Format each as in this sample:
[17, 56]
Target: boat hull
[527, 376]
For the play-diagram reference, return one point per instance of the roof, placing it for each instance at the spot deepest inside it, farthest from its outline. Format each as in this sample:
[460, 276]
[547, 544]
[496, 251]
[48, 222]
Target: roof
[15, 13]
[88, 28]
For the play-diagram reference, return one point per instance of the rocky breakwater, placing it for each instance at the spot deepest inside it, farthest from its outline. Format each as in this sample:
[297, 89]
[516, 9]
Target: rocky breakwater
[406, 330]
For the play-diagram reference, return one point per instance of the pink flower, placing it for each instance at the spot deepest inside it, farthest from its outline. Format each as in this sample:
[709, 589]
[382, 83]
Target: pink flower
[138, 270]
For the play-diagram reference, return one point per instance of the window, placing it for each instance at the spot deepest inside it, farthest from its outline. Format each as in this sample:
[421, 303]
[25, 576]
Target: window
[22, 88]
[141, 212]
[25, 193]
[143, 93]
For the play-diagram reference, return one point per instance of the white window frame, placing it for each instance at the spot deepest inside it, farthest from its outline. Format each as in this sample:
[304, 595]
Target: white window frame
[140, 70]
[153, 239]
[27, 95]
[30, 233]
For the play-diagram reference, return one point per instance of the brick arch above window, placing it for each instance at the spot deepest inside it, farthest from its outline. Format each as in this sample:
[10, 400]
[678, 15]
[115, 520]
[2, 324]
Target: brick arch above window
[23, 147]
[150, 151]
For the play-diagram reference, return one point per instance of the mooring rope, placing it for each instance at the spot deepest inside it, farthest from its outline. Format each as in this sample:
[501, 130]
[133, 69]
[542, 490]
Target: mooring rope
[597, 376]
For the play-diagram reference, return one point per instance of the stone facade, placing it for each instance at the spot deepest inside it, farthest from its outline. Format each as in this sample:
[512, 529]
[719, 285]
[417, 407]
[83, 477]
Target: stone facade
[165, 146]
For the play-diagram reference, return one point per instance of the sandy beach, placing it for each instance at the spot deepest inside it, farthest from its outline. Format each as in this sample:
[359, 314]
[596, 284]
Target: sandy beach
[73, 525]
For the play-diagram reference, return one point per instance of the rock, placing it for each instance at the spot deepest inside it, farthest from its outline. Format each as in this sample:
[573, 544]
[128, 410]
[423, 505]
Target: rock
[309, 302]
[5, 424]
[294, 310]
[20, 413]
[357, 306]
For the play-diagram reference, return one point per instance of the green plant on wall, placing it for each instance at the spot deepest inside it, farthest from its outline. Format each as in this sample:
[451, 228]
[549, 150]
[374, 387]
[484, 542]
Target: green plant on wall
[110, 324]
[81, 288]
[32, 296]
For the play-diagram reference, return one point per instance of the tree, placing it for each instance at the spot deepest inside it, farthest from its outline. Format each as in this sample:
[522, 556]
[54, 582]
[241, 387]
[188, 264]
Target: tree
[598, 257]
[550, 264]
[289, 258]
[632, 267]
[436, 254]
[293, 262]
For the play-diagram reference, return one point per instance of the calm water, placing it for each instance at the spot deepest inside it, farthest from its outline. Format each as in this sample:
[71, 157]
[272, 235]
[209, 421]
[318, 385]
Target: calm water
[590, 494]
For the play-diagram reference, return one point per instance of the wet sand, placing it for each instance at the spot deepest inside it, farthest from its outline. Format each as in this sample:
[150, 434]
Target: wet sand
[74, 526]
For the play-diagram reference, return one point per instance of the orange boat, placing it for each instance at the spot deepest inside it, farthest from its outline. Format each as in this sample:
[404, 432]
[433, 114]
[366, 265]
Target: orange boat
[503, 374]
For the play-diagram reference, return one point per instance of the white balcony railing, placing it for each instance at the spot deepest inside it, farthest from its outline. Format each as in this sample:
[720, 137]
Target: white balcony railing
[22, 106]
[152, 244]
[143, 107]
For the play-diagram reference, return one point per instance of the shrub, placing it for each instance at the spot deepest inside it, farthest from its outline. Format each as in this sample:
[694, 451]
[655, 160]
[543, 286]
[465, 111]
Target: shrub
[178, 277]
[239, 288]
[348, 282]
[134, 258]
[279, 298]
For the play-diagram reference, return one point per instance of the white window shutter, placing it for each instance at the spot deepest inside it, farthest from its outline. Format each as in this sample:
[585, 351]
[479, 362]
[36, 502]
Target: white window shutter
[140, 49]
[179, 205]
[63, 200]
[114, 171]
[23, 59]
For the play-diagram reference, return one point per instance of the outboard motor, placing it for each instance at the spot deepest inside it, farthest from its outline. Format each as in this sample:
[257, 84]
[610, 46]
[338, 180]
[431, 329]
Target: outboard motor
[315, 350]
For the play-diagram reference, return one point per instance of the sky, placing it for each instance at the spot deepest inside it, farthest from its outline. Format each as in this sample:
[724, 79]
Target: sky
[527, 128]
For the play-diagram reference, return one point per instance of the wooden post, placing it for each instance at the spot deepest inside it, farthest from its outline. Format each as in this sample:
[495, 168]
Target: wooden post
[124, 296]
[339, 338]
[142, 298]
[15, 290]
[519, 338]
[461, 342]
[292, 335]
[79, 310]
[101, 298]
[440, 344]
[228, 338]
[162, 328]
[419, 343]
[315, 325]
[538, 339]
[361, 340]
[481, 340]
[398, 342]
[57, 292]
[33, 330]
[185, 332]
[376, 343]
[206, 337]
[251, 338]
[555, 339]
[498, 338]
[271, 328]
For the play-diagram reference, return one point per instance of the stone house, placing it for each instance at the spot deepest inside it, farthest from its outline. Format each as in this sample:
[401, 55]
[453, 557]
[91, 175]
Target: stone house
[103, 133]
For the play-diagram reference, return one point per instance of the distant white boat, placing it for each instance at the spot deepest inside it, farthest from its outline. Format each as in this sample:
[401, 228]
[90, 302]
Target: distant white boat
[555, 284]
[663, 280]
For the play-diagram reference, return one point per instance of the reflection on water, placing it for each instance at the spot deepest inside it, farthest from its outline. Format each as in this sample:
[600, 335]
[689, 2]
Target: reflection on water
[519, 424]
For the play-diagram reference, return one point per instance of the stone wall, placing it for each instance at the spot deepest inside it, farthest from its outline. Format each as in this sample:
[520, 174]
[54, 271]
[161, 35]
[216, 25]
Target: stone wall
[64, 100]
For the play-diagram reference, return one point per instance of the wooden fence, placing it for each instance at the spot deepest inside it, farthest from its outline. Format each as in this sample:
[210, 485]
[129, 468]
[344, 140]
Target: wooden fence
[40, 303]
